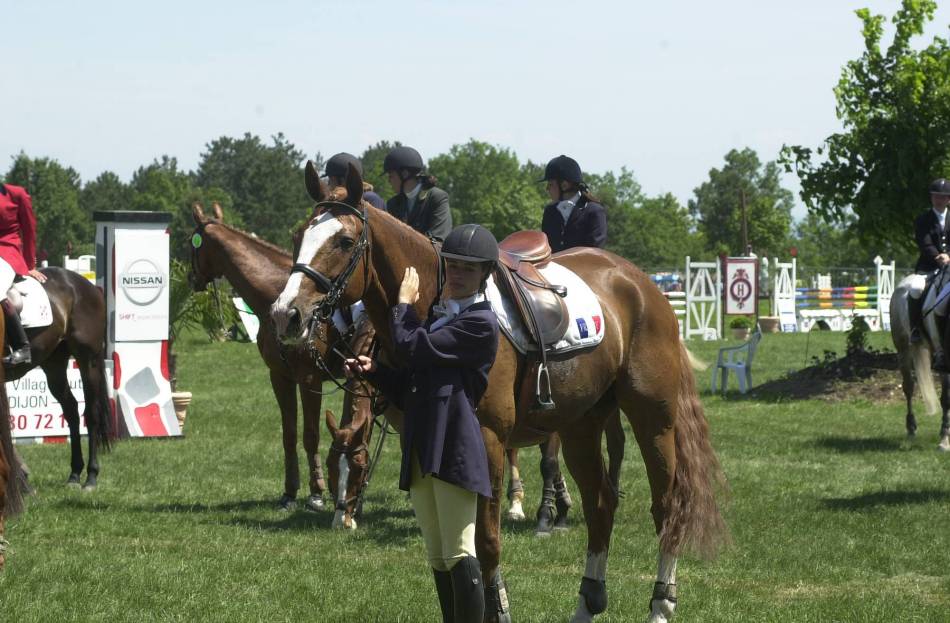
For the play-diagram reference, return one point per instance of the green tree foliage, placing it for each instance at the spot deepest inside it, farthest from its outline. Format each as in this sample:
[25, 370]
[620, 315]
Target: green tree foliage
[659, 233]
[717, 205]
[162, 187]
[372, 160]
[60, 223]
[895, 109]
[825, 244]
[106, 193]
[265, 182]
[486, 185]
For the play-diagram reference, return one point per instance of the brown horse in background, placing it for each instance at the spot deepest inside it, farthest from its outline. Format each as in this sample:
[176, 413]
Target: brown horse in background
[641, 367]
[258, 270]
[12, 479]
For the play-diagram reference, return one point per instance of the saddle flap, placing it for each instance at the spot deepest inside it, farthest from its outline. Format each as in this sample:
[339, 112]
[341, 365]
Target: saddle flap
[549, 309]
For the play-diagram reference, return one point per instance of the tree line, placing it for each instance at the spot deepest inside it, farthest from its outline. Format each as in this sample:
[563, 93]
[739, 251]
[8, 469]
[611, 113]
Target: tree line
[259, 185]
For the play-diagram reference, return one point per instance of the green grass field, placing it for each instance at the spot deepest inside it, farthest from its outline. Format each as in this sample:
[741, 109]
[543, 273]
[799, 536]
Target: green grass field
[834, 516]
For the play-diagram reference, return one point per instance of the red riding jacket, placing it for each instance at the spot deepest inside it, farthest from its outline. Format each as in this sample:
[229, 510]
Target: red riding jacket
[17, 229]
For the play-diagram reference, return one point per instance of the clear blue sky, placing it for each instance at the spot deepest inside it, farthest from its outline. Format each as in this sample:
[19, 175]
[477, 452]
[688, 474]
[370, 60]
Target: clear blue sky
[663, 88]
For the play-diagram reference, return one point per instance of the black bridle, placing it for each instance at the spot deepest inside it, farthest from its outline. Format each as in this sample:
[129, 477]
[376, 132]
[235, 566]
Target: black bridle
[334, 287]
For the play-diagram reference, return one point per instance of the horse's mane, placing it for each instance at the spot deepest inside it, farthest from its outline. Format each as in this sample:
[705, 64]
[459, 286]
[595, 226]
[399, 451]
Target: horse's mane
[264, 243]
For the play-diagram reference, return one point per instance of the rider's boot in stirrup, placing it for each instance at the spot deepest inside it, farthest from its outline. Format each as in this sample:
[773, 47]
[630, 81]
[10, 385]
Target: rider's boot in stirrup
[19, 343]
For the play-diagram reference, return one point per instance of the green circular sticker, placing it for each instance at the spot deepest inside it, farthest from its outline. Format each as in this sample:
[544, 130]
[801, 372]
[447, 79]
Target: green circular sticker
[196, 240]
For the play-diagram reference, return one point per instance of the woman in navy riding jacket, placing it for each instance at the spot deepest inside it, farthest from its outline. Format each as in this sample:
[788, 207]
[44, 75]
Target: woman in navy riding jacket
[445, 361]
[574, 218]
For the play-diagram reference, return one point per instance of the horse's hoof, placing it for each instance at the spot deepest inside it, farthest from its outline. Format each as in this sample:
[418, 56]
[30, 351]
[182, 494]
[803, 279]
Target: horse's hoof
[286, 504]
[72, 484]
[89, 487]
[514, 515]
[315, 504]
[944, 445]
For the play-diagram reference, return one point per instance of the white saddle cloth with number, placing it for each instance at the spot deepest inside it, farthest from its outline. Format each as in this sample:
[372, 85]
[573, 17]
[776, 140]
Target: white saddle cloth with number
[586, 327]
[37, 311]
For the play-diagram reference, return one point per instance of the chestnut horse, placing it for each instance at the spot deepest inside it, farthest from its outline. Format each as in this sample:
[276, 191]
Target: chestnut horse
[78, 331]
[351, 252]
[12, 478]
[257, 270]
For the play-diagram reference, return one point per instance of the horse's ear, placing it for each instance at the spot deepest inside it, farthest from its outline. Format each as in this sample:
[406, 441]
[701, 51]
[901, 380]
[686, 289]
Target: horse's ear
[314, 187]
[197, 213]
[331, 422]
[216, 209]
[354, 185]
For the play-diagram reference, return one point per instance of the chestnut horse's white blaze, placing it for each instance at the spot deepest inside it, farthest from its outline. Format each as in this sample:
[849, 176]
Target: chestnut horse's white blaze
[339, 515]
[317, 235]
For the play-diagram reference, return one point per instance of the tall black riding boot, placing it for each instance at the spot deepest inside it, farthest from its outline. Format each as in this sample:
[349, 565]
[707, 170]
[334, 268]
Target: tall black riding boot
[468, 591]
[19, 343]
[443, 586]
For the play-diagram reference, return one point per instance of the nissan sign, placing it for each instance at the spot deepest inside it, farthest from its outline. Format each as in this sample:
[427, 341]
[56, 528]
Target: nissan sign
[142, 281]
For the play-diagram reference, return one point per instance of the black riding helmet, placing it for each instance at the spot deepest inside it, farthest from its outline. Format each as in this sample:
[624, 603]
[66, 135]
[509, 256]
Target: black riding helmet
[563, 168]
[940, 187]
[337, 165]
[470, 243]
[402, 157]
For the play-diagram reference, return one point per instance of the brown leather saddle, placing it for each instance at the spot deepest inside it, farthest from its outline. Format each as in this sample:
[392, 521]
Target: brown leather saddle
[540, 304]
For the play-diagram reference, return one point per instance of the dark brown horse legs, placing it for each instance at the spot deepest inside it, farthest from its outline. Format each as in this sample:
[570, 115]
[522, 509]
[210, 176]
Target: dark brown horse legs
[616, 440]
[583, 457]
[55, 369]
[488, 533]
[310, 403]
[287, 401]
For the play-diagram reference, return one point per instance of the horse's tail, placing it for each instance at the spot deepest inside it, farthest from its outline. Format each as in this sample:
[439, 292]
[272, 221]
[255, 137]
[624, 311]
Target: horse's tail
[693, 519]
[695, 363]
[915, 355]
[16, 484]
[101, 425]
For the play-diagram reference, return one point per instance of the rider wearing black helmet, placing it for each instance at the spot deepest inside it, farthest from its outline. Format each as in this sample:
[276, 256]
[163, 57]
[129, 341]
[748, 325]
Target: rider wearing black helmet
[336, 169]
[445, 362]
[574, 218]
[417, 201]
[931, 232]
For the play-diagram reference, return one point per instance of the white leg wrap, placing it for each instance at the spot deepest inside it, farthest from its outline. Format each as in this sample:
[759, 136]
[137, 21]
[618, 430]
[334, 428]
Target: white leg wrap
[597, 566]
[516, 512]
[661, 610]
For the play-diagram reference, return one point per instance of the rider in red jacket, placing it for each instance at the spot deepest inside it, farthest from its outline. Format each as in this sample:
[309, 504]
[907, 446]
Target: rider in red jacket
[17, 257]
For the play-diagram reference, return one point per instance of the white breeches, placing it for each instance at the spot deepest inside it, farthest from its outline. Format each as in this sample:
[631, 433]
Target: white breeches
[7, 275]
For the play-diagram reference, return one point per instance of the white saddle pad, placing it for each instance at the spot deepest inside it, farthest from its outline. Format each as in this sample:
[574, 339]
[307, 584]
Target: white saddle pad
[37, 311]
[586, 328]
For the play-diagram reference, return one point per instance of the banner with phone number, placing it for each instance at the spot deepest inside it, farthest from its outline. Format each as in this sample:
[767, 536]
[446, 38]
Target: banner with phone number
[34, 412]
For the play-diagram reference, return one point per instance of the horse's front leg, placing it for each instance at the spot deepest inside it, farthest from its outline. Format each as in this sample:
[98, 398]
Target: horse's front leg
[286, 395]
[515, 487]
[311, 401]
[488, 533]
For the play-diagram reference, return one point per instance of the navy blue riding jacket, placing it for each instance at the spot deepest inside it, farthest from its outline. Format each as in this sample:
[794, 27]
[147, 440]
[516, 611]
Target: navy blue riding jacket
[585, 227]
[931, 240]
[444, 376]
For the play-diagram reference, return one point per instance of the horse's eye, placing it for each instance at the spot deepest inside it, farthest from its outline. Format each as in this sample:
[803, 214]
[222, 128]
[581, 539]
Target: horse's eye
[346, 243]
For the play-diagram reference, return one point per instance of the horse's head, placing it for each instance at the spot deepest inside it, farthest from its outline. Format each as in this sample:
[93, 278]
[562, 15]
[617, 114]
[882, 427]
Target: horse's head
[347, 466]
[328, 249]
[204, 268]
